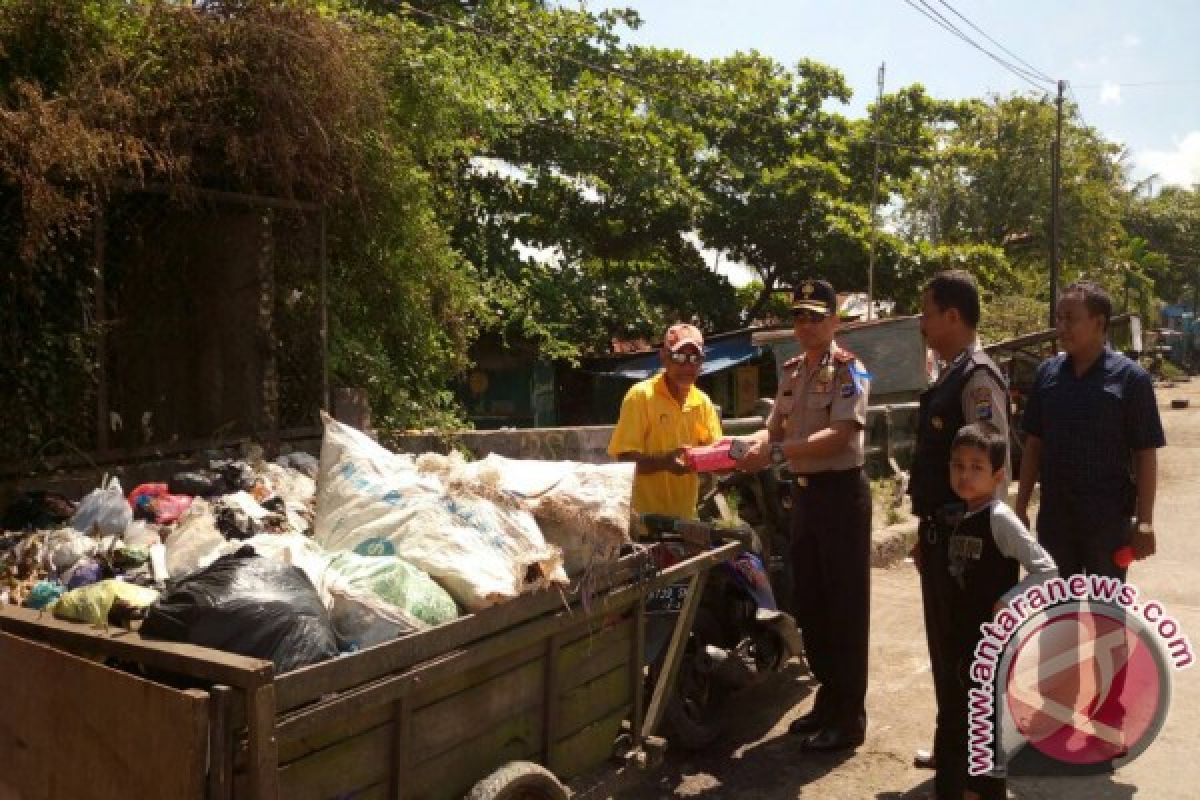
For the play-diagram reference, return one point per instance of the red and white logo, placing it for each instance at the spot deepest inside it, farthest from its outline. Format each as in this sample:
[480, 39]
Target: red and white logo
[1087, 686]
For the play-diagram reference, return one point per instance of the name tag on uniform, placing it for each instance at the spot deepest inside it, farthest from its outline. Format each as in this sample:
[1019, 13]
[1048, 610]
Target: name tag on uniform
[966, 547]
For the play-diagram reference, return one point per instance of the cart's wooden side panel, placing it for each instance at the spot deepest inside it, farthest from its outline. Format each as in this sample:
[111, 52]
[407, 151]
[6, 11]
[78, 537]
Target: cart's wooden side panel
[466, 724]
[354, 763]
[588, 748]
[452, 773]
[73, 728]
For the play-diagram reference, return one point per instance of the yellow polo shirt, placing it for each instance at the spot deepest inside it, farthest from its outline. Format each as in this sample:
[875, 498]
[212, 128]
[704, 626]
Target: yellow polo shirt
[653, 422]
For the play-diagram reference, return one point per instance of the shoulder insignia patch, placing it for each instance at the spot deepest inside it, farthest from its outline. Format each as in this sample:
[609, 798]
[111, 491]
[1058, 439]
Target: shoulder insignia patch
[849, 390]
[981, 403]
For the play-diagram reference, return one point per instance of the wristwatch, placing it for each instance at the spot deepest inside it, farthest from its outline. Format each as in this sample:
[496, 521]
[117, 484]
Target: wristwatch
[1146, 527]
[777, 456]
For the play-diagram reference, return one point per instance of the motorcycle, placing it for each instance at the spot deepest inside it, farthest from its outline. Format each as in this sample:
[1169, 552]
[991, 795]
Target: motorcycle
[740, 634]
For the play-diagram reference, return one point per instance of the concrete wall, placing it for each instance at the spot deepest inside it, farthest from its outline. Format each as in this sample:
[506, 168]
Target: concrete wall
[590, 443]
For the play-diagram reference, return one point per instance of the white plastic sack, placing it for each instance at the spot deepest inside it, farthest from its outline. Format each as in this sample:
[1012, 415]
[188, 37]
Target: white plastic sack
[361, 491]
[104, 510]
[375, 503]
[582, 508]
[480, 553]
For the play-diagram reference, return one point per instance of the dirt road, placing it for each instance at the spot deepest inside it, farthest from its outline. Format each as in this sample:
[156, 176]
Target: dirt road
[759, 760]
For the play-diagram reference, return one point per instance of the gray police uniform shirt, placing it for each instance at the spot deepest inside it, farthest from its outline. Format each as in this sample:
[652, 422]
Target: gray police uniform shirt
[813, 396]
[984, 400]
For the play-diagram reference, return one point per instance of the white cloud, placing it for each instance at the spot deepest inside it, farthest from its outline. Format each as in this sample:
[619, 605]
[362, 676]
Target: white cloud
[1180, 166]
[1110, 94]
[1131, 40]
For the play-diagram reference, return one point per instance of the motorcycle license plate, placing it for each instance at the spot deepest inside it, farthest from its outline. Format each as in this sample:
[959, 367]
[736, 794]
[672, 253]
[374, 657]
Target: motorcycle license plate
[667, 599]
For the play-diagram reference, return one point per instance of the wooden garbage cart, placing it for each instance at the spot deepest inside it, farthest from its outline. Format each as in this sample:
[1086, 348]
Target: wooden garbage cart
[552, 679]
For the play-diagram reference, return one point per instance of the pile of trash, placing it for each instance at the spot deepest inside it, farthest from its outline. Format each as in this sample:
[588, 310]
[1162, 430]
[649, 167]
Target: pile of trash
[299, 560]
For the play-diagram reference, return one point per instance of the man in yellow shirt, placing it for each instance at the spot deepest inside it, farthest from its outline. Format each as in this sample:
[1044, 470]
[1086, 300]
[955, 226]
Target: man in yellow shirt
[659, 417]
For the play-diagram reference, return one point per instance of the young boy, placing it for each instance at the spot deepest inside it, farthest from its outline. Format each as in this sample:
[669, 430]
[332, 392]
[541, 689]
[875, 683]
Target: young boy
[977, 552]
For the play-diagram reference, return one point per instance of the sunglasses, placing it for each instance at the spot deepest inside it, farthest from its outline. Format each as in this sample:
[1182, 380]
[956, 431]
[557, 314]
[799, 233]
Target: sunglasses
[686, 358]
[805, 315]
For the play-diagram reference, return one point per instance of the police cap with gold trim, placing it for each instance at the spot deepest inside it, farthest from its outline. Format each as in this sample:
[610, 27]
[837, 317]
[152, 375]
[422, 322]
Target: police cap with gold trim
[814, 295]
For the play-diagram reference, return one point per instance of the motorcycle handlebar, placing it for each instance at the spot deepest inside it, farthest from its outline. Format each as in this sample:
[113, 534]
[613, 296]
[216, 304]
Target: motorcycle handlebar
[702, 534]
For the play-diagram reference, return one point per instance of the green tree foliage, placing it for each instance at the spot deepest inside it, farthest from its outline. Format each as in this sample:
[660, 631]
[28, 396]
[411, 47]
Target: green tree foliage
[990, 185]
[294, 100]
[517, 168]
[1168, 227]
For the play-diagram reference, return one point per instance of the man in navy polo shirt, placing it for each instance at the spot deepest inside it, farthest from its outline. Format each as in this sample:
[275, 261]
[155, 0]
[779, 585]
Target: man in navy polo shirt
[1092, 431]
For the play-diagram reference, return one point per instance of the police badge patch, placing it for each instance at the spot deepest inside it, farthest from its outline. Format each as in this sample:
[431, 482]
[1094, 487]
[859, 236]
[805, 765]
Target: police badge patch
[849, 390]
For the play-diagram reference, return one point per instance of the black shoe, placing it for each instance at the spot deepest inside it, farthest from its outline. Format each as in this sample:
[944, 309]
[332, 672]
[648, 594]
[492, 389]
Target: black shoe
[806, 723]
[829, 739]
[923, 759]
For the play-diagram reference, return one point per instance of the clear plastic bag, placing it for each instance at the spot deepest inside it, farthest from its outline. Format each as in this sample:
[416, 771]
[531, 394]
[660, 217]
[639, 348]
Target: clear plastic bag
[104, 510]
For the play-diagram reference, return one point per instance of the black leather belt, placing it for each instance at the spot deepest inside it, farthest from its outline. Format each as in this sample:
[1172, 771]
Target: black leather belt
[817, 477]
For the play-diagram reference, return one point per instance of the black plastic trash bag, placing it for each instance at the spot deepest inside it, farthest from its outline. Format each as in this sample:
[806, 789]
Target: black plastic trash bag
[199, 483]
[248, 605]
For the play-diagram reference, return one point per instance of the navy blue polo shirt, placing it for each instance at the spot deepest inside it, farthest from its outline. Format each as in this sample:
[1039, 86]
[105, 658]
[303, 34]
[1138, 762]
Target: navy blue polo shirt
[1091, 426]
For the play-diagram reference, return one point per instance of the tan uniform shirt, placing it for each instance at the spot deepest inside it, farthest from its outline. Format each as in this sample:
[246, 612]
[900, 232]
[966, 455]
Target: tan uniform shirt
[813, 396]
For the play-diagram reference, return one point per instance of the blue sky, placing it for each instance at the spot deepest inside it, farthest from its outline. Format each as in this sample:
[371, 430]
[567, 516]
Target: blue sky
[1101, 46]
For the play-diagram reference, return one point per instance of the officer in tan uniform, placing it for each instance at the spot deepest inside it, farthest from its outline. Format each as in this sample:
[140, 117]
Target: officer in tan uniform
[817, 429]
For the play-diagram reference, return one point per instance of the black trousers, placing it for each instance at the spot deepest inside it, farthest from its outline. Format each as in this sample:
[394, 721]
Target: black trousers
[831, 557]
[951, 648]
[1082, 533]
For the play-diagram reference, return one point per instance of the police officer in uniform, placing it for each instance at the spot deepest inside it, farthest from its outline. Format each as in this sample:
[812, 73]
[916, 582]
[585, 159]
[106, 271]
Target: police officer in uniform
[816, 428]
[969, 389]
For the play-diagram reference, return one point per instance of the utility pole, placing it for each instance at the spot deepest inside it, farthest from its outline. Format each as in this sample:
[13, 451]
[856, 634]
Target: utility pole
[874, 200]
[1055, 190]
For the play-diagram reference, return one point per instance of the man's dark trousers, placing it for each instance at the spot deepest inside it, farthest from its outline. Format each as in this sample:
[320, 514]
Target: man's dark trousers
[831, 556]
[1083, 532]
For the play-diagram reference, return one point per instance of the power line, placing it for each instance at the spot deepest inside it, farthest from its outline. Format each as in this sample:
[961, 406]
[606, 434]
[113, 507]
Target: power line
[930, 13]
[1032, 69]
[1031, 77]
[1078, 105]
[1136, 84]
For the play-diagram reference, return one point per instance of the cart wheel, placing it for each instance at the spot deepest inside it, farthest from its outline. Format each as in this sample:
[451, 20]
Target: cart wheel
[693, 711]
[519, 780]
